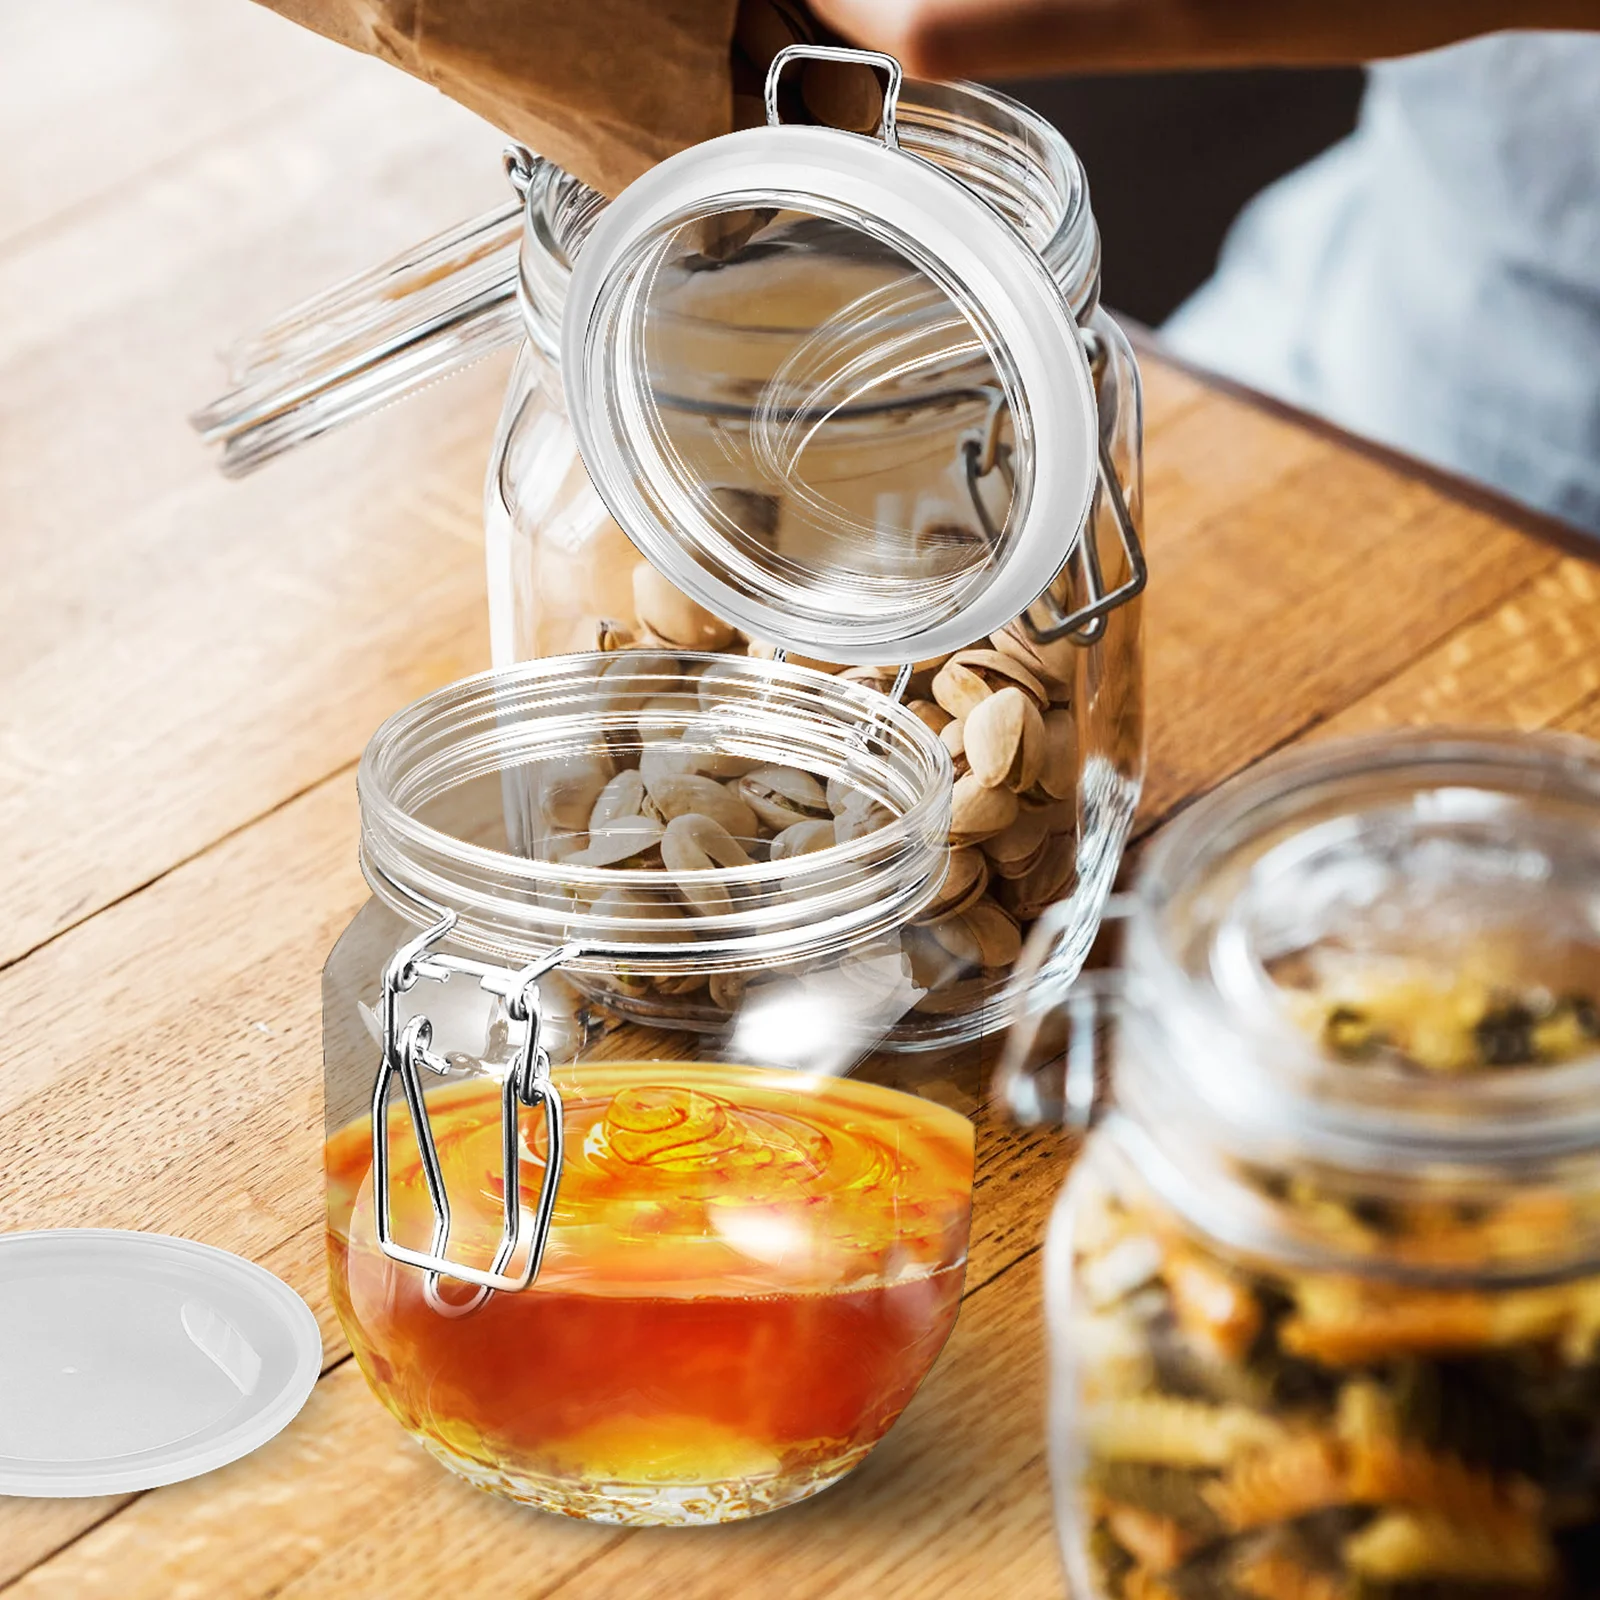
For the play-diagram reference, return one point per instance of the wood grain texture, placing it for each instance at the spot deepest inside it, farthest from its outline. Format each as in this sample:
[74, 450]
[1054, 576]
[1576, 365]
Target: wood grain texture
[231, 644]
[188, 669]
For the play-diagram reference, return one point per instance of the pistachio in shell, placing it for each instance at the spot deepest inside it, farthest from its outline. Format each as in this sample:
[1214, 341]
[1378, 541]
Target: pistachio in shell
[568, 788]
[623, 796]
[983, 935]
[693, 845]
[966, 876]
[671, 615]
[625, 839]
[863, 816]
[610, 634]
[971, 676]
[1013, 853]
[783, 796]
[1058, 771]
[803, 839]
[677, 793]
[930, 714]
[1046, 881]
[1055, 665]
[633, 678]
[977, 813]
[1005, 740]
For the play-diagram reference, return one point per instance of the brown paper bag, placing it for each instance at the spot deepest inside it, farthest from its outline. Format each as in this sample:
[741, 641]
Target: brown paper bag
[604, 88]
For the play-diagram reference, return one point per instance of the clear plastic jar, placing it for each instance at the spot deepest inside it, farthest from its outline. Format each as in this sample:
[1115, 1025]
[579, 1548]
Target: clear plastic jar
[723, 1267]
[1325, 1284]
[922, 462]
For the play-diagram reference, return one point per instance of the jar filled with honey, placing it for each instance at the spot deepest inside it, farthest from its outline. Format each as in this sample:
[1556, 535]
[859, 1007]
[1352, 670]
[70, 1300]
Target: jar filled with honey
[599, 1243]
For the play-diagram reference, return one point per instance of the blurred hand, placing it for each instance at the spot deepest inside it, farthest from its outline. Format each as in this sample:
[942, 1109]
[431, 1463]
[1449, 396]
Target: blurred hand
[1018, 38]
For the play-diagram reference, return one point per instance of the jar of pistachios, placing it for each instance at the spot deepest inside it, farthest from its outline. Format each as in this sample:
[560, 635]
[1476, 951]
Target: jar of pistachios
[849, 398]
[1325, 1285]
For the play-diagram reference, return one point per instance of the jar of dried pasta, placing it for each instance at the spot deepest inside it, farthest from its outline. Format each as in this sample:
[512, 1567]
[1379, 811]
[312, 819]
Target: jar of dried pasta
[806, 391]
[1324, 1287]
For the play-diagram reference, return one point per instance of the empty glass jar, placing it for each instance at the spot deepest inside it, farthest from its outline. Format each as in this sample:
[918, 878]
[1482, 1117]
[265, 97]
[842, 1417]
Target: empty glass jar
[1325, 1284]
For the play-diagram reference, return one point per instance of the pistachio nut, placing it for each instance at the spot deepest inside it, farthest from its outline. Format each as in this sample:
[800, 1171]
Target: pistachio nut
[568, 788]
[1058, 773]
[1005, 741]
[663, 757]
[1055, 665]
[676, 793]
[977, 813]
[1046, 881]
[692, 845]
[953, 736]
[930, 714]
[666, 716]
[863, 816]
[623, 796]
[881, 678]
[718, 682]
[841, 793]
[931, 965]
[783, 796]
[803, 839]
[671, 615]
[983, 935]
[623, 839]
[971, 676]
[1013, 853]
[638, 905]
[609, 634]
[634, 677]
[966, 876]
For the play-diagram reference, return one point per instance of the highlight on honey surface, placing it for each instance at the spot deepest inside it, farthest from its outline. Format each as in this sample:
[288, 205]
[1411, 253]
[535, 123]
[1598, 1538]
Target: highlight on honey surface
[749, 1273]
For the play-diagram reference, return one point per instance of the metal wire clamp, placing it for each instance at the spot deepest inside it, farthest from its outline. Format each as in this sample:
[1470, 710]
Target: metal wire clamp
[984, 452]
[527, 1083]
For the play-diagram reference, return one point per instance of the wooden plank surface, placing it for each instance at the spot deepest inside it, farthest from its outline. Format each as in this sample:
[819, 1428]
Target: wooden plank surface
[188, 670]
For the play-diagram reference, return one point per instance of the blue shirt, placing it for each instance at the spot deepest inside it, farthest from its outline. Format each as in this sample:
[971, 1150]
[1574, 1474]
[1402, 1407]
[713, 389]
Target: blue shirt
[1433, 281]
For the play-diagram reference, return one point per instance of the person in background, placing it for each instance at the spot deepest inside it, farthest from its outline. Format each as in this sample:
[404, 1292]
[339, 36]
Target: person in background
[1432, 281]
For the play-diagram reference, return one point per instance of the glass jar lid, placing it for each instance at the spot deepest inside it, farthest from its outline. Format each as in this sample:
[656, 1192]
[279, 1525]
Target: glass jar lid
[759, 323]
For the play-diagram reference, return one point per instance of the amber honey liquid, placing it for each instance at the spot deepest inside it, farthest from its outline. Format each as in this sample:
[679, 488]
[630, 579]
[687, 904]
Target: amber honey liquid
[748, 1275]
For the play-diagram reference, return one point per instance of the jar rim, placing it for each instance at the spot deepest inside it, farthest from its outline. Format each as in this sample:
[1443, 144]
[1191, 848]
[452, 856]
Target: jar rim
[1015, 159]
[519, 906]
[1267, 1081]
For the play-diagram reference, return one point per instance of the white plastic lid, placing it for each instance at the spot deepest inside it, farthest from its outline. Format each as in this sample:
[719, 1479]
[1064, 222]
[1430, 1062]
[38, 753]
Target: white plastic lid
[794, 357]
[131, 1360]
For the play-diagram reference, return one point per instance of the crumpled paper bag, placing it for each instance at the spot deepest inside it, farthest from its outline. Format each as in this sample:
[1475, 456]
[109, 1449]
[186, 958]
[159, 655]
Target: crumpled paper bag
[604, 88]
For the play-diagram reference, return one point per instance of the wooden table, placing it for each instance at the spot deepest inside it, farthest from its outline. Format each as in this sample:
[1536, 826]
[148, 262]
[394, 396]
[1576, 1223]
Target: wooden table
[190, 669]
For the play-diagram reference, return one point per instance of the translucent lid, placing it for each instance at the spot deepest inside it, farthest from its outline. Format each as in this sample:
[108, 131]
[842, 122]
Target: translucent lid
[133, 1360]
[830, 392]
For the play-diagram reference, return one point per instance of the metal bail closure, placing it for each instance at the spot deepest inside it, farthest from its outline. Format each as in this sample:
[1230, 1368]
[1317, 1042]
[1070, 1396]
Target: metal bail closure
[527, 1083]
[773, 348]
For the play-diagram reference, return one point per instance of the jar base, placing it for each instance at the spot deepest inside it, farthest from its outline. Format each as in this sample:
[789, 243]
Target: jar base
[653, 1505]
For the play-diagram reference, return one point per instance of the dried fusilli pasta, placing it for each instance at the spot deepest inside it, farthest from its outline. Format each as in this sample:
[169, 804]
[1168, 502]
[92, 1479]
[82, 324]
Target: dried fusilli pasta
[1271, 1575]
[1281, 1483]
[1404, 1545]
[1175, 1432]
